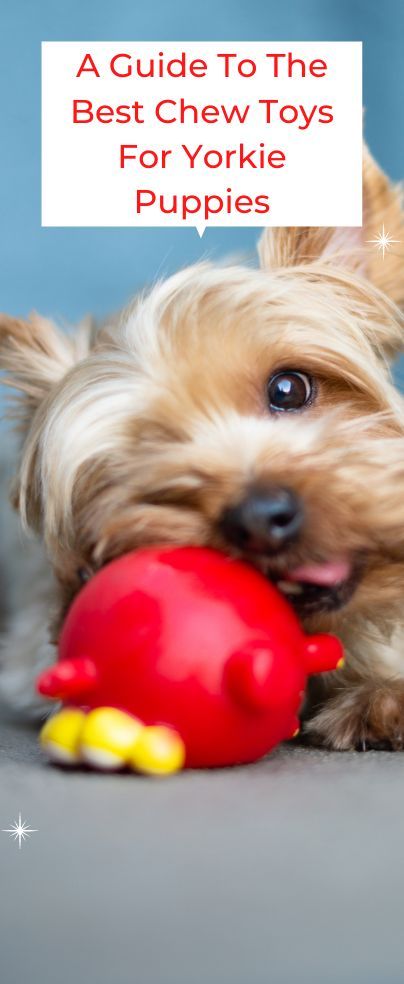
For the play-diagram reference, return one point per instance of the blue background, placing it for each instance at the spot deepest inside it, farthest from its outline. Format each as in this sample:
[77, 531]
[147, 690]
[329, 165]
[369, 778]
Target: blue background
[68, 272]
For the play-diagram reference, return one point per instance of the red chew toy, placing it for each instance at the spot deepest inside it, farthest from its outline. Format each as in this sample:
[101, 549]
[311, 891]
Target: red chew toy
[187, 639]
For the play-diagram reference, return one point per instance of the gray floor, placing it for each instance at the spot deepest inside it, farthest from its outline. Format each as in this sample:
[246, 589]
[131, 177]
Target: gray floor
[288, 871]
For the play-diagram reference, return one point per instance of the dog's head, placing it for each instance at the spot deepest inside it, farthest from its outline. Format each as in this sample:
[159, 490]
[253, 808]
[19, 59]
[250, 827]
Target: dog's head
[247, 409]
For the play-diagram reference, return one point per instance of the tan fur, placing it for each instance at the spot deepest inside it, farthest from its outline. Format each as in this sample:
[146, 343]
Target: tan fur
[145, 431]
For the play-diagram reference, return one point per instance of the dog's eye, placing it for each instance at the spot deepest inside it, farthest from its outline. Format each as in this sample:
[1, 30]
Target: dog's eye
[289, 390]
[83, 575]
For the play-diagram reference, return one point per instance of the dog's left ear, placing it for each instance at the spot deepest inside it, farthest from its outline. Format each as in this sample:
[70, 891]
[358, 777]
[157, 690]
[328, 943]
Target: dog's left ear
[351, 247]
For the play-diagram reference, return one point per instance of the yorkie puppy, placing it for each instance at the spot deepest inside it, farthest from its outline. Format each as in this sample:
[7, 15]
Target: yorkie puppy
[252, 410]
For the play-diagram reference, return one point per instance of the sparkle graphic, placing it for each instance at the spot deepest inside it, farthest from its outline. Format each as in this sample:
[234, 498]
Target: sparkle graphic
[19, 831]
[383, 241]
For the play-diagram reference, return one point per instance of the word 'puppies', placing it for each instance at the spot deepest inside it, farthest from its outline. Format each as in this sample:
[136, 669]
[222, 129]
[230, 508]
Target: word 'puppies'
[201, 205]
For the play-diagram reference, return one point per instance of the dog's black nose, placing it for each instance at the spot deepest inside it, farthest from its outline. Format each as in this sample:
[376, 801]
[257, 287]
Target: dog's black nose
[265, 521]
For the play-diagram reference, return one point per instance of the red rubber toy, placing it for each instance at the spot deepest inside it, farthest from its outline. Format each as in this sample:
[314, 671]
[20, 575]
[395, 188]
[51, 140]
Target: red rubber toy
[178, 656]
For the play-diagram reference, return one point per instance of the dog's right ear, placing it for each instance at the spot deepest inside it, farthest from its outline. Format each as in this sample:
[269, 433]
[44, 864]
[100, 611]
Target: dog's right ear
[350, 248]
[35, 355]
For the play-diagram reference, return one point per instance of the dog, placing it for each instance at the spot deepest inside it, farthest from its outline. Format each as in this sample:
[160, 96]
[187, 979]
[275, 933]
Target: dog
[247, 409]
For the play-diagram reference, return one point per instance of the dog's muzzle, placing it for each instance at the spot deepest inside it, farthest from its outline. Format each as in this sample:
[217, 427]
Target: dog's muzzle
[264, 522]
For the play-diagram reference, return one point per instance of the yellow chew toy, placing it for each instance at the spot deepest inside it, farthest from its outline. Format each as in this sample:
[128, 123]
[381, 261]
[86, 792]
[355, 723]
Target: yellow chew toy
[158, 751]
[60, 736]
[109, 739]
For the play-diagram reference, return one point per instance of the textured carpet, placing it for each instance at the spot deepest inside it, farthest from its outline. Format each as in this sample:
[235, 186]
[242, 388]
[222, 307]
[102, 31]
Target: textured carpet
[289, 870]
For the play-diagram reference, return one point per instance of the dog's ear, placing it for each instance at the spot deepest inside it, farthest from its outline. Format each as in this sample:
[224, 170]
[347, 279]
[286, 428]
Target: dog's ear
[351, 248]
[34, 355]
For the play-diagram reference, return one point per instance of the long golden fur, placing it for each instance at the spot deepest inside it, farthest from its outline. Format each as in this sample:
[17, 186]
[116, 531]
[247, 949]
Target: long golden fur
[147, 429]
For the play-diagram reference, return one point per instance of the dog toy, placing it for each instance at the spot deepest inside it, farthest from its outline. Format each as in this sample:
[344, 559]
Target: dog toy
[178, 656]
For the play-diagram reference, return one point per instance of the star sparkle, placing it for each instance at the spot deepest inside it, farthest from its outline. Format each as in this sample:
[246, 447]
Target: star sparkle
[19, 831]
[383, 241]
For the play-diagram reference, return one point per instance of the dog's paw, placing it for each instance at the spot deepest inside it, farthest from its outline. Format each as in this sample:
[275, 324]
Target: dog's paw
[365, 716]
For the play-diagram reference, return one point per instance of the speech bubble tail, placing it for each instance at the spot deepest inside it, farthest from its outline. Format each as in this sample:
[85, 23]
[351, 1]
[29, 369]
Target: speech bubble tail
[200, 228]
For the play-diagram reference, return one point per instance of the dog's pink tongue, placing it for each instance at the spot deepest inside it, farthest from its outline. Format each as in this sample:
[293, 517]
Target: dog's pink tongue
[326, 575]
